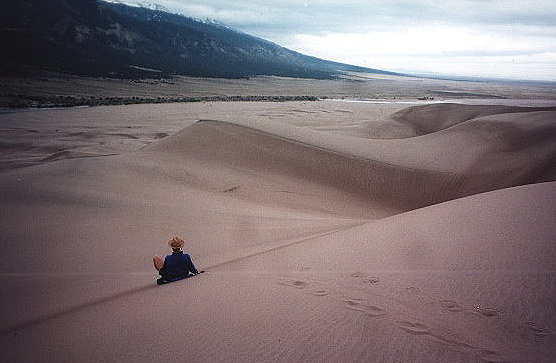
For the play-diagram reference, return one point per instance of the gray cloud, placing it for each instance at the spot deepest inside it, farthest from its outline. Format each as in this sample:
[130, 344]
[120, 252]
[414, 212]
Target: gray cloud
[352, 14]
[516, 27]
[316, 16]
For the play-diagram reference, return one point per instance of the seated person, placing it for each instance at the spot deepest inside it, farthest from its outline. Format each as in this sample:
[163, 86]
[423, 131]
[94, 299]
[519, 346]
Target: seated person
[175, 266]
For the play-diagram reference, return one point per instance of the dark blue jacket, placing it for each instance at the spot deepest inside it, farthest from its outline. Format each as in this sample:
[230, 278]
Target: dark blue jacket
[178, 264]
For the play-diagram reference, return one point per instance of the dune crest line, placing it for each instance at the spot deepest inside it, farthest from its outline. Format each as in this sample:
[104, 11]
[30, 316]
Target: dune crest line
[106, 299]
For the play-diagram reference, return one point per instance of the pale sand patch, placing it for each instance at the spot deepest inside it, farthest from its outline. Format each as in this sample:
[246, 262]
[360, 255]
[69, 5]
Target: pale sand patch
[29, 137]
[316, 243]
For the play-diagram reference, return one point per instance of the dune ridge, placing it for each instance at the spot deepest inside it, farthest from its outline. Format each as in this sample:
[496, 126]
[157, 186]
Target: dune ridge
[319, 246]
[435, 117]
[474, 155]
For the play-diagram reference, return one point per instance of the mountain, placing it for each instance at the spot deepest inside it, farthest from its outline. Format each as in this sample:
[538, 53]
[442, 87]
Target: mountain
[142, 4]
[97, 38]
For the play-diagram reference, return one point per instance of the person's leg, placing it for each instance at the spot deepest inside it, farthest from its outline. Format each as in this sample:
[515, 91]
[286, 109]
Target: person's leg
[158, 263]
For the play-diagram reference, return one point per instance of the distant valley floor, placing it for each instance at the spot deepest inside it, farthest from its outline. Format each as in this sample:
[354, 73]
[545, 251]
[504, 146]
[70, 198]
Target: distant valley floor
[57, 90]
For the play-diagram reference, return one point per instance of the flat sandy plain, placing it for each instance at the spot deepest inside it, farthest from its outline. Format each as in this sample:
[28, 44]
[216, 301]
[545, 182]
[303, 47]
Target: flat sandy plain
[331, 231]
[355, 85]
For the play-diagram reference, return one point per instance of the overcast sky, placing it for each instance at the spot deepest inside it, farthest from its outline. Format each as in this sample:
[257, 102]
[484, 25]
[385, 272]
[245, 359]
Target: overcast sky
[483, 38]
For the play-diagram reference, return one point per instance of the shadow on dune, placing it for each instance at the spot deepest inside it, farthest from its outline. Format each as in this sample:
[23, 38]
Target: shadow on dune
[463, 150]
[435, 117]
[105, 299]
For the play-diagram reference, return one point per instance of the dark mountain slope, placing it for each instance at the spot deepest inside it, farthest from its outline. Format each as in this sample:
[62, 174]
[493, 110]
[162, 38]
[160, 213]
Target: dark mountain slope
[95, 38]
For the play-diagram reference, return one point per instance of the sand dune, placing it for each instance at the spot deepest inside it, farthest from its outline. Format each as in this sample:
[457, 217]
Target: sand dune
[473, 155]
[435, 117]
[430, 239]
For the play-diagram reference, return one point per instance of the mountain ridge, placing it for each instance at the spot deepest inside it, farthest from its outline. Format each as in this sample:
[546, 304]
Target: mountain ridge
[106, 39]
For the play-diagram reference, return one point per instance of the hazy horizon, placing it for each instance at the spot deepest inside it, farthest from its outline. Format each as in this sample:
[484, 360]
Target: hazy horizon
[488, 39]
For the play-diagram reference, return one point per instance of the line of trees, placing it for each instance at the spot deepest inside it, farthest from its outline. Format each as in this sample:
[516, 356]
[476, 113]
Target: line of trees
[20, 101]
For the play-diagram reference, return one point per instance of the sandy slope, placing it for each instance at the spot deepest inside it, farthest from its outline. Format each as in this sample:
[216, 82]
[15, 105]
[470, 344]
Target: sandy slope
[319, 244]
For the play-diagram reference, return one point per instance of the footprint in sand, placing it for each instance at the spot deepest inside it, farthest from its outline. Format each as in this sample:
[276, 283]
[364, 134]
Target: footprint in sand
[450, 305]
[537, 330]
[319, 292]
[491, 356]
[485, 311]
[361, 305]
[297, 284]
[414, 328]
[413, 290]
[365, 278]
